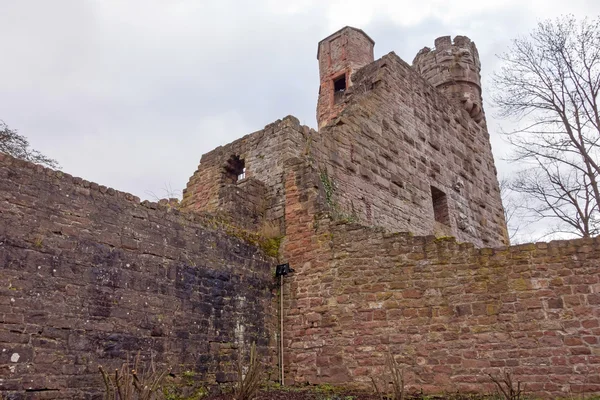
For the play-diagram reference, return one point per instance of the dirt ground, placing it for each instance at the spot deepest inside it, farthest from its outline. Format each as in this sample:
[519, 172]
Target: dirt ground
[320, 394]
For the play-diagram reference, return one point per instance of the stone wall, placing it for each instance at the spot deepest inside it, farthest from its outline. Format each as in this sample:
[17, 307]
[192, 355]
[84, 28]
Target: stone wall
[245, 203]
[264, 154]
[396, 142]
[89, 275]
[449, 312]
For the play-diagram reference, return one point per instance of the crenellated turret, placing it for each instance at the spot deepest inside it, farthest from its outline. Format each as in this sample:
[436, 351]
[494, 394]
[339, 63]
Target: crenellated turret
[454, 68]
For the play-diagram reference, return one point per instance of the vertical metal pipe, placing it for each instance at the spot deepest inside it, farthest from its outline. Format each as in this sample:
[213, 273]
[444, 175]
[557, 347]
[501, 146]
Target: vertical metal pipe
[281, 326]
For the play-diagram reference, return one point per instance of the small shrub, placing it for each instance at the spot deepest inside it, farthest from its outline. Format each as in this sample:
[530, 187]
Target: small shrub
[187, 386]
[270, 237]
[396, 375]
[249, 383]
[131, 383]
[38, 242]
[271, 246]
[376, 389]
[507, 388]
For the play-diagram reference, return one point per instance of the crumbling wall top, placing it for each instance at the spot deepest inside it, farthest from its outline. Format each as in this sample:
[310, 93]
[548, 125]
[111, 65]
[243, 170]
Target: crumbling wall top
[339, 32]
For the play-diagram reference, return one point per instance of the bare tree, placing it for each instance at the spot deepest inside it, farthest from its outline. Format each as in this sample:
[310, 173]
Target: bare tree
[18, 146]
[562, 195]
[550, 82]
[512, 207]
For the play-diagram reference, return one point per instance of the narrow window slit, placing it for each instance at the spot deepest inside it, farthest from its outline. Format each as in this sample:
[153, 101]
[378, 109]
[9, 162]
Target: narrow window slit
[440, 206]
[339, 87]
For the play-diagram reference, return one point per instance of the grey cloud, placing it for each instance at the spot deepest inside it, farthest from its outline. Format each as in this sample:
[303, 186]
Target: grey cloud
[130, 94]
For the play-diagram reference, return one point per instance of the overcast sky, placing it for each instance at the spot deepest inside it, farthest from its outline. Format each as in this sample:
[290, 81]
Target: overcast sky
[130, 93]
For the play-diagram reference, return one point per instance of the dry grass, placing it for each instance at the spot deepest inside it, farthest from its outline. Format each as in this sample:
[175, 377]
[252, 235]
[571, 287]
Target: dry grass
[269, 230]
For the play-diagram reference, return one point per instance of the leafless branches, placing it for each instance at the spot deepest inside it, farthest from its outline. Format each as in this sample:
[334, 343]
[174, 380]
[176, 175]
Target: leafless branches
[396, 377]
[512, 208]
[560, 194]
[376, 389]
[249, 382]
[507, 387]
[132, 384]
[18, 146]
[550, 82]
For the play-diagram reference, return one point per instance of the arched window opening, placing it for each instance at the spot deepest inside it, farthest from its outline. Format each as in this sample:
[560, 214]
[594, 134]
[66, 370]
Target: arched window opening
[235, 169]
[339, 87]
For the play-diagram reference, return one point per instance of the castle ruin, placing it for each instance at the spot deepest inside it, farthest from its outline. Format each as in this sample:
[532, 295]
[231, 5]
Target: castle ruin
[394, 151]
[390, 214]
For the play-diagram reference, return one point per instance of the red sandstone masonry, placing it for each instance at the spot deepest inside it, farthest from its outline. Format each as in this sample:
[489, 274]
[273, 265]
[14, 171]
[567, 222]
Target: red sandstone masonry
[340, 55]
[307, 248]
[88, 274]
[264, 153]
[245, 203]
[391, 141]
[450, 312]
[397, 137]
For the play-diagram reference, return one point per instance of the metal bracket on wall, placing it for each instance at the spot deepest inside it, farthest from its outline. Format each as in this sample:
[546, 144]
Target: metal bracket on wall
[283, 269]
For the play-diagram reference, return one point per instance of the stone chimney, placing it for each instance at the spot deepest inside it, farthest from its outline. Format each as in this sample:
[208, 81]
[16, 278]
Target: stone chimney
[340, 55]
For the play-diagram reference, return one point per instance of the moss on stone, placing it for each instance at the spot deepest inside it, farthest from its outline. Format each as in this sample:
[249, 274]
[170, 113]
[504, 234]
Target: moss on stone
[271, 246]
[335, 209]
[519, 284]
[445, 239]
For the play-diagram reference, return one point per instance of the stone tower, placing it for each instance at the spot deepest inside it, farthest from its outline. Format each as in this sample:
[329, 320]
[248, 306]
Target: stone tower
[454, 68]
[340, 55]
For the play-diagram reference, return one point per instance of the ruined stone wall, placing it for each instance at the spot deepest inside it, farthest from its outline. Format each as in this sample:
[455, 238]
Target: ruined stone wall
[264, 153]
[245, 203]
[88, 275]
[396, 139]
[449, 312]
